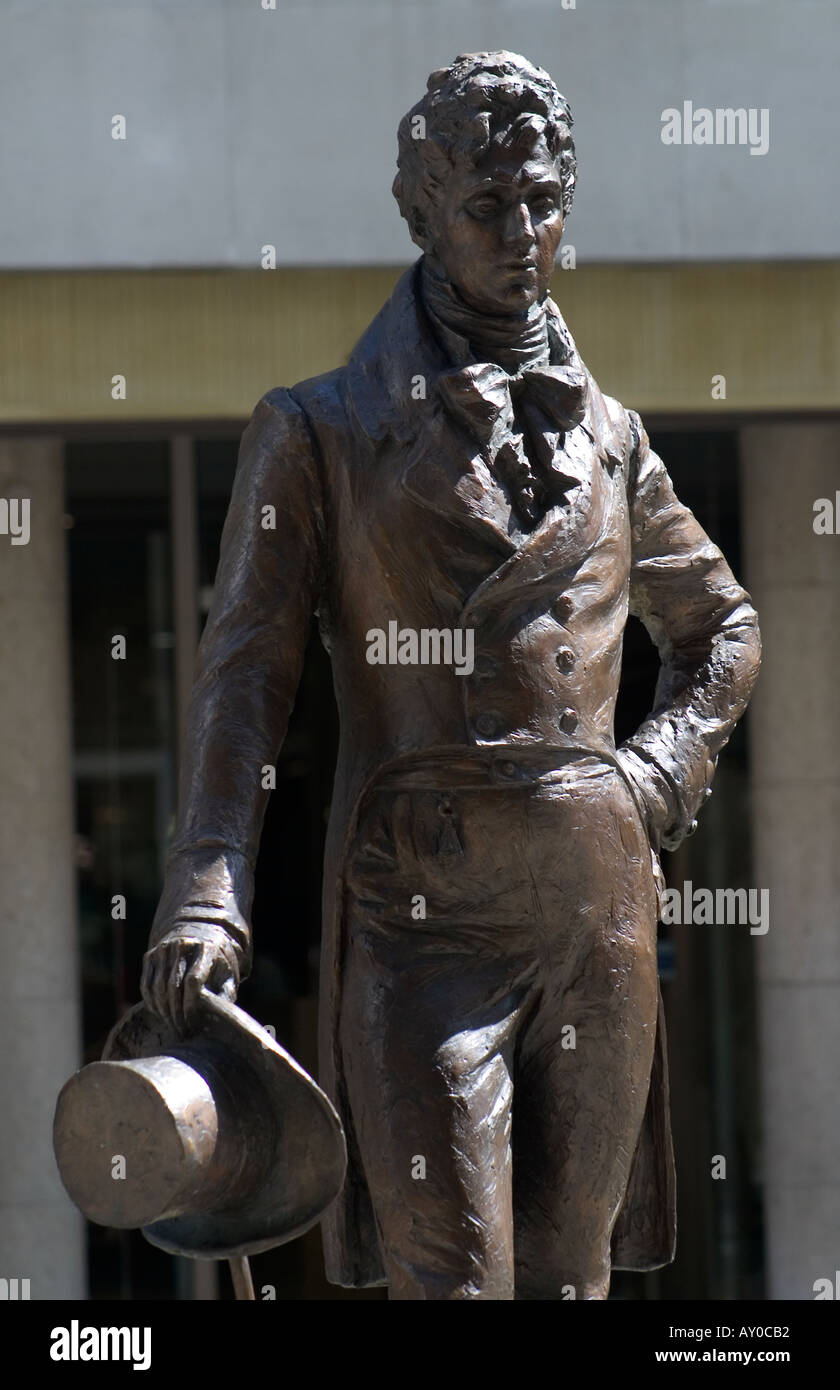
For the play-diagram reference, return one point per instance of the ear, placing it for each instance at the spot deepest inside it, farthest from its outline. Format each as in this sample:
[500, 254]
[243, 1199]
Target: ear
[421, 235]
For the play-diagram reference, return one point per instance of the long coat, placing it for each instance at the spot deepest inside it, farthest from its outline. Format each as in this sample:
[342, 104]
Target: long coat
[385, 510]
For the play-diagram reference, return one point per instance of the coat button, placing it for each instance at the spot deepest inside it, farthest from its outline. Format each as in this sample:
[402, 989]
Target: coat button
[568, 721]
[486, 725]
[507, 769]
[562, 608]
[485, 666]
[565, 659]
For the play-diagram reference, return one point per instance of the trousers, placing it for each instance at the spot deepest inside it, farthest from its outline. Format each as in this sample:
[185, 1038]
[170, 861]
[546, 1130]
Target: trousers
[498, 1020]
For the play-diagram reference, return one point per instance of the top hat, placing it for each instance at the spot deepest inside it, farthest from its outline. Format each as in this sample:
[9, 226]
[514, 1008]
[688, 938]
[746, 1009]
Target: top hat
[217, 1145]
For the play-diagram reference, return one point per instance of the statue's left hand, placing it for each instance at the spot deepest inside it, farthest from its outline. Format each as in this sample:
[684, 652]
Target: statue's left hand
[650, 794]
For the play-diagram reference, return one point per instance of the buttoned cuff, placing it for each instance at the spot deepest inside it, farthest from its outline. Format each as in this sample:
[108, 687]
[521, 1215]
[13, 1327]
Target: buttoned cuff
[207, 895]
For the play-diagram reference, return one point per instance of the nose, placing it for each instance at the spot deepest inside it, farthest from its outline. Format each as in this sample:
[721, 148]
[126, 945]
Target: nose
[518, 229]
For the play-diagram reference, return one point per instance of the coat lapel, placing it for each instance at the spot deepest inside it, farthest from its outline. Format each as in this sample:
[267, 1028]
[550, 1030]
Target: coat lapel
[447, 475]
[563, 538]
[392, 394]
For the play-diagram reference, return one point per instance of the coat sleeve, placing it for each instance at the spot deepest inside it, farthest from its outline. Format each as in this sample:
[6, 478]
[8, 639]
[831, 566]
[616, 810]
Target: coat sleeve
[248, 667]
[706, 633]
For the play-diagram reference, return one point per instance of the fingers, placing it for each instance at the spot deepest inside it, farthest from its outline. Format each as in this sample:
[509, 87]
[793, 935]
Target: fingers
[194, 980]
[176, 972]
[154, 981]
[224, 977]
[175, 985]
[147, 981]
[165, 971]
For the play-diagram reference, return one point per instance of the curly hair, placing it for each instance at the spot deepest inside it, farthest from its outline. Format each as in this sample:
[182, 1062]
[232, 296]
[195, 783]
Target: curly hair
[480, 100]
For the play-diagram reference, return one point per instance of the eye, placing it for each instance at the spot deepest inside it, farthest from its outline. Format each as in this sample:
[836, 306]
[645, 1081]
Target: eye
[484, 207]
[544, 203]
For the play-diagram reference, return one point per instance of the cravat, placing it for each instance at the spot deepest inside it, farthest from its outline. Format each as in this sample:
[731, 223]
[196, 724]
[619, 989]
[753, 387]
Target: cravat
[483, 397]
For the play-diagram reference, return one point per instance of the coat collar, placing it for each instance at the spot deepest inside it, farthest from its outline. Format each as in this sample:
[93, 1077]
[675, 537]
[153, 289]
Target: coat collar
[391, 384]
[399, 345]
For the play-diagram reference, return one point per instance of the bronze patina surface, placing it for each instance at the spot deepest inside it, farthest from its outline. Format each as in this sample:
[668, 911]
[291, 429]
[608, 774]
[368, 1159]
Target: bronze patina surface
[472, 520]
[213, 1140]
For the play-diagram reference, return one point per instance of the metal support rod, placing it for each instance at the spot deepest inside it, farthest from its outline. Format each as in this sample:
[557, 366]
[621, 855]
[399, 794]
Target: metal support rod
[240, 1273]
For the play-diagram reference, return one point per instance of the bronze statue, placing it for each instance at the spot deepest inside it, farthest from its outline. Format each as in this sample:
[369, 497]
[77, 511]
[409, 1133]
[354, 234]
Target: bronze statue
[471, 520]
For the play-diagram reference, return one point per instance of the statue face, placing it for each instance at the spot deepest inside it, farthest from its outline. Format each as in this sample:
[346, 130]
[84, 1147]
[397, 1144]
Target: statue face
[498, 226]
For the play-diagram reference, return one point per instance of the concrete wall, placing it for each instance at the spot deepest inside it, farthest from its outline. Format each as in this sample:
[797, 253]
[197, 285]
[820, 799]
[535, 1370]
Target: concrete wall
[42, 1236]
[248, 126]
[794, 577]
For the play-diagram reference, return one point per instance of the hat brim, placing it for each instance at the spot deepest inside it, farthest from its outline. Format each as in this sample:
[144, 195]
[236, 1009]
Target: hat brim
[299, 1132]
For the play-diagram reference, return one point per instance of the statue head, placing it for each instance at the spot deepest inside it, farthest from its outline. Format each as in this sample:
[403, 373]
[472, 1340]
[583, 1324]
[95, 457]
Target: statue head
[486, 175]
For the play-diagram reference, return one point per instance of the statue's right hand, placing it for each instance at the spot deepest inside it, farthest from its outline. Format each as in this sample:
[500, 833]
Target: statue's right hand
[181, 964]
